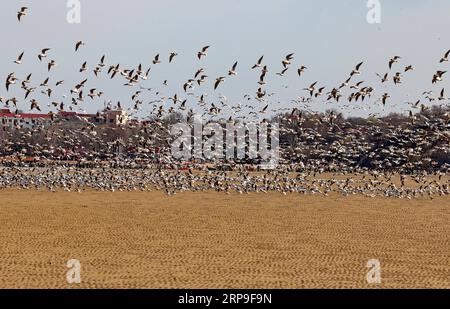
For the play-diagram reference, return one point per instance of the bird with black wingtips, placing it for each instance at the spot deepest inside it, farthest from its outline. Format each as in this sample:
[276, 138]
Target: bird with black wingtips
[437, 77]
[43, 53]
[22, 12]
[356, 69]
[393, 60]
[287, 60]
[219, 80]
[258, 63]
[203, 52]
[156, 59]
[301, 70]
[172, 56]
[19, 58]
[445, 58]
[78, 45]
[232, 71]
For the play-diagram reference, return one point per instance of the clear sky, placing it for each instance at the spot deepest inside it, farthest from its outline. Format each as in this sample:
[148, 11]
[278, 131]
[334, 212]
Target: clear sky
[329, 37]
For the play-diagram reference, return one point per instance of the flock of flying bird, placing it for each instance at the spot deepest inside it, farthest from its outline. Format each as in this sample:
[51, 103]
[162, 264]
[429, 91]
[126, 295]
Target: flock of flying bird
[357, 91]
[134, 78]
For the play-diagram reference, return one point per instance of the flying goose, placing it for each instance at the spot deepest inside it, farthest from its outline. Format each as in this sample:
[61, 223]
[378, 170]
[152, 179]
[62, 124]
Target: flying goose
[156, 59]
[83, 67]
[218, 81]
[19, 59]
[91, 93]
[383, 78]
[409, 68]
[282, 72]
[393, 60]
[51, 64]
[35, 105]
[384, 98]
[445, 58]
[356, 70]
[44, 83]
[203, 52]
[43, 54]
[199, 71]
[202, 79]
[441, 96]
[258, 63]
[311, 88]
[27, 79]
[301, 70]
[23, 11]
[172, 56]
[438, 76]
[397, 78]
[78, 45]
[232, 71]
[97, 70]
[10, 80]
[288, 60]
[102, 63]
[261, 79]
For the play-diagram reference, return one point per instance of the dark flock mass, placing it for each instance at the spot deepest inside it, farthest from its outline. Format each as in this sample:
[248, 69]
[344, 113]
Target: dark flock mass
[395, 155]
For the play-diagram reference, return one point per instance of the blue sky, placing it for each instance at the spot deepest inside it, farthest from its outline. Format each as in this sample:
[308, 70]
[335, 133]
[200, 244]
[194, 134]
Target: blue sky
[329, 37]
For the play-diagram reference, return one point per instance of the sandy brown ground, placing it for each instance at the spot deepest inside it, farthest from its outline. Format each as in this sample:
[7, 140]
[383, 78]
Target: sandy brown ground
[212, 240]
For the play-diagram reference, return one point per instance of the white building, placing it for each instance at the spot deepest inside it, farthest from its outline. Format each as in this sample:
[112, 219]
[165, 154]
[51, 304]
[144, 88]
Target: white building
[115, 117]
[9, 119]
[23, 120]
